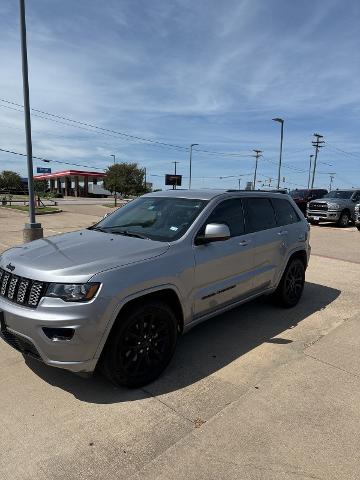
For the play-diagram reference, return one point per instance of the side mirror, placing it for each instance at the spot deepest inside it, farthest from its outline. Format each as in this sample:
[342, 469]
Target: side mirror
[214, 232]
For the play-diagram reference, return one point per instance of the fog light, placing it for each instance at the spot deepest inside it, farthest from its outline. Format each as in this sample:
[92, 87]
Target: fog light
[59, 334]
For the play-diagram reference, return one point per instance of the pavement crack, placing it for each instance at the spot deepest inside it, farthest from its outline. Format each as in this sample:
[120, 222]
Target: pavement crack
[331, 365]
[184, 417]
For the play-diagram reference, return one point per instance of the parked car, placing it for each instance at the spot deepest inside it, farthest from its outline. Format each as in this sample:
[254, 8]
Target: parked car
[357, 216]
[337, 206]
[303, 197]
[119, 293]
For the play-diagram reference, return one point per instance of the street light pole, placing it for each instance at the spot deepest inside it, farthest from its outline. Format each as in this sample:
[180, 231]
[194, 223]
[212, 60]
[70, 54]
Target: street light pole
[32, 230]
[191, 147]
[280, 120]
[115, 197]
[311, 156]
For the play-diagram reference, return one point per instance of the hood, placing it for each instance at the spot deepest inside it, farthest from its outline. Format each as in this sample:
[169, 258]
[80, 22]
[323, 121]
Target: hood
[340, 201]
[78, 255]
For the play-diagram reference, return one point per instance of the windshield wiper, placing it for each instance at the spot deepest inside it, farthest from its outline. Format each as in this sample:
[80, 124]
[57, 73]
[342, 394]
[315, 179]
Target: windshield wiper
[129, 233]
[98, 229]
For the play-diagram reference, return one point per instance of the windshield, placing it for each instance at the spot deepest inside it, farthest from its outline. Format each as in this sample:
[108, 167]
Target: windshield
[156, 218]
[299, 193]
[339, 194]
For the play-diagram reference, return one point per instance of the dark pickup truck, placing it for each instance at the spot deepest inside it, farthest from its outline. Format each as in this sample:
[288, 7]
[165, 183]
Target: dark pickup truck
[302, 197]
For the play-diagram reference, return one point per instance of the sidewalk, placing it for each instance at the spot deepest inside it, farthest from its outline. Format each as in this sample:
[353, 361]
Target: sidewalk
[300, 423]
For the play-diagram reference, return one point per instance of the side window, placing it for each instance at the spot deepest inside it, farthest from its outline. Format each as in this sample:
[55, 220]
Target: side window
[285, 212]
[229, 212]
[260, 214]
[356, 197]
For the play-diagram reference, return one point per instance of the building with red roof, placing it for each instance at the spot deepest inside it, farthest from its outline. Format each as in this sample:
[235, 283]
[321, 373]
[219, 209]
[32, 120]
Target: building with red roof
[75, 183]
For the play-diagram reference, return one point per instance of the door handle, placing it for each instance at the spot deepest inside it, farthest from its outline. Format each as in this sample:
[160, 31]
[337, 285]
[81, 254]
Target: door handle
[282, 233]
[244, 243]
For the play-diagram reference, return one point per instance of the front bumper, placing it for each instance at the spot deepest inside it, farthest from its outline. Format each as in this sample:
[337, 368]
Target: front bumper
[324, 215]
[23, 329]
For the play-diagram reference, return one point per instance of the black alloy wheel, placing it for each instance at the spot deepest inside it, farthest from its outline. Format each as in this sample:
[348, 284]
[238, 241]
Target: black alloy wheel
[291, 285]
[142, 345]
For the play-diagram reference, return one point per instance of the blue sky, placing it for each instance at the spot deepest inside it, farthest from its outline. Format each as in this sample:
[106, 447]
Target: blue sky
[207, 72]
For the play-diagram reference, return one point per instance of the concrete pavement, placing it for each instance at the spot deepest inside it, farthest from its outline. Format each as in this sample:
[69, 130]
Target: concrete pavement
[257, 393]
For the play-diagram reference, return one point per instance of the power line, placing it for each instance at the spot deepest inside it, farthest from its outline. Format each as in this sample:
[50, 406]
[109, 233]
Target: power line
[48, 160]
[122, 134]
[352, 154]
[286, 165]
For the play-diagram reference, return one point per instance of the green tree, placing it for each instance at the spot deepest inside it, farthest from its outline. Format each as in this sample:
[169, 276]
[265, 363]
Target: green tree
[125, 178]
[10, 180]
[40, 186]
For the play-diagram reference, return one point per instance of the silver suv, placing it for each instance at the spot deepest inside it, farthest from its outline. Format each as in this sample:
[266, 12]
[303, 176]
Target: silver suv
[119, 293]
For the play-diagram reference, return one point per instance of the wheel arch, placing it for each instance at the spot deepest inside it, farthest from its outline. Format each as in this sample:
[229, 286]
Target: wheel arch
[165, 293]
[302, 255]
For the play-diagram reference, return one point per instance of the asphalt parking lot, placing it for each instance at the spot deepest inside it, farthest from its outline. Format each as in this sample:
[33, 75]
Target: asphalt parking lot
[257, 393]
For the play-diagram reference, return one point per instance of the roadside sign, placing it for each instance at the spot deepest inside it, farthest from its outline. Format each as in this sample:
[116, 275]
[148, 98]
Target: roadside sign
[173, 180]
[43, 170]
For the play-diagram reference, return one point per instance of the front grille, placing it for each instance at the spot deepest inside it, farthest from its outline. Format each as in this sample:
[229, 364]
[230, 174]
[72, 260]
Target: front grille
[318, 206]
[21, 344]
[21, 290]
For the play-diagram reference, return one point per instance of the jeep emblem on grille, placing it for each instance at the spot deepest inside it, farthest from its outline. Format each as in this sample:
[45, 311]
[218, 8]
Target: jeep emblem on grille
[10, 267]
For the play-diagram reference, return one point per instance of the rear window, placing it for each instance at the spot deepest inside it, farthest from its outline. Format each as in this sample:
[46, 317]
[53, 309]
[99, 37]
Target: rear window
[260, 214]
[285, 213]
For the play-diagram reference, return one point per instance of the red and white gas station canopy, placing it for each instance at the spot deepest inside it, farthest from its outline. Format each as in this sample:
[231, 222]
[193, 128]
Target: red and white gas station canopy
[69, 173]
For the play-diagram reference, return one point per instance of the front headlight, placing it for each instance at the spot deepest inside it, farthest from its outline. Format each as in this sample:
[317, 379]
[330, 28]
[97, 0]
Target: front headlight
[73, 292]
[334, 205]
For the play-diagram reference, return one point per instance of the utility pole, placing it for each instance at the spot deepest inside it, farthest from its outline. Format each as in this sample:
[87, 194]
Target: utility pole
[145, 180]
[175, 163]
[257, 155]
[311, 156]
[239, 183]
[191, 147]
[332, 176]
[112, 155]
[317, 143]
[32, 230]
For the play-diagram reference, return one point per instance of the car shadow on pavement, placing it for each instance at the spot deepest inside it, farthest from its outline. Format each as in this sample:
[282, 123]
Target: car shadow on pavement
[206, 349]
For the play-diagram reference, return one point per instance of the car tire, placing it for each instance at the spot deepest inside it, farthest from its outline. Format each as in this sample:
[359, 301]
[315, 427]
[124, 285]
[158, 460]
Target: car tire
[141, 345]
[344, 220]
[291, 286]
[358, 227]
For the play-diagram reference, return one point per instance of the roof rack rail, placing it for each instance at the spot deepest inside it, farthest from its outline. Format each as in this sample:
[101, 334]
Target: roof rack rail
[280, 190]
